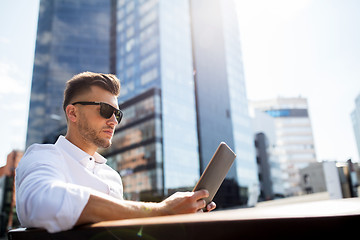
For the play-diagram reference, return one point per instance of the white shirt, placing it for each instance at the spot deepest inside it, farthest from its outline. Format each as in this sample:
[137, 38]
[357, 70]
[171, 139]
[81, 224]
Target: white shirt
[54, 183]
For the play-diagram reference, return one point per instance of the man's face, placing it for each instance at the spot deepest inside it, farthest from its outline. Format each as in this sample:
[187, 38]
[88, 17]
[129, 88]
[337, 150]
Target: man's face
[92, 127]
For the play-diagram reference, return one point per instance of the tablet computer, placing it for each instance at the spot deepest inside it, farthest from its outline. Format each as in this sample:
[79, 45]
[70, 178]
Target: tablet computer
[216, 171]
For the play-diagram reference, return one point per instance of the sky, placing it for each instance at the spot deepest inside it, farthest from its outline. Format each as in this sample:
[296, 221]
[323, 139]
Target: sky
[307, 48]
[18, 25]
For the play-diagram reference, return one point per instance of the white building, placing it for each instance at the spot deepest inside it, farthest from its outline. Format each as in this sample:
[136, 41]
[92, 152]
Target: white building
[294, 146]
[355, 117]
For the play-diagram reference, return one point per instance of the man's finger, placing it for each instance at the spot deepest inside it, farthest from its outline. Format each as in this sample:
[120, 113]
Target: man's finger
[201, 194]
[211, 206]
[201, 204]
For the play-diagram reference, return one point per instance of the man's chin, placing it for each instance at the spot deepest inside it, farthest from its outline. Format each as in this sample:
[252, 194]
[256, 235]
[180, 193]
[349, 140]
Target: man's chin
[103, 143]
[107, 146]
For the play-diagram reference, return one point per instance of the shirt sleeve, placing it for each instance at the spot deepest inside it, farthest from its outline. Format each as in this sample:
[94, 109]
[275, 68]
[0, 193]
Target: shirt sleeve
[43, 198]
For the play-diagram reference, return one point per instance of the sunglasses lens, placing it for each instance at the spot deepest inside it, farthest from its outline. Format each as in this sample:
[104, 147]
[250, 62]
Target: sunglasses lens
[107, 111]
[119, 115]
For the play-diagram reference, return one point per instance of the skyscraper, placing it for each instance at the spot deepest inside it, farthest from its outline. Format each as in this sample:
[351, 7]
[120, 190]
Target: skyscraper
[154, 51]
[72, 37]
[222, 106]
[355, 117]
[294, 138]
[182, 92]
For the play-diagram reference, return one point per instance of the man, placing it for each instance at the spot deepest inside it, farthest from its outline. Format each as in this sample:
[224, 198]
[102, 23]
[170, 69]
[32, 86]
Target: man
[61, 185]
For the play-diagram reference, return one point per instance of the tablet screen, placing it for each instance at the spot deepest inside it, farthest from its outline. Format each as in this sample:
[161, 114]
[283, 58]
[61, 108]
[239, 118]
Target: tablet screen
[216, 171]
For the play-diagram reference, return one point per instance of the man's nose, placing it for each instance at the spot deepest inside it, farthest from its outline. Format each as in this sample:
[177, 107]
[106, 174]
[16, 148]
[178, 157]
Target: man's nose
[112, 120]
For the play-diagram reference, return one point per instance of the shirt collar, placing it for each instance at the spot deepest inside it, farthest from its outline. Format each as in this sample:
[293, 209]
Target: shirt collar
[77, 153]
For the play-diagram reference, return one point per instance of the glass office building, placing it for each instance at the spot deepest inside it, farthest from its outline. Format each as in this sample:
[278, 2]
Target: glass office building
[154, 51]
[182, 92]
[160, 44]
[271, 179]
[221, 95]
[72, 37]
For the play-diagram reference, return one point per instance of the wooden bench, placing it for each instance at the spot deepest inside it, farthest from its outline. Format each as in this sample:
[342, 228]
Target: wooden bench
[323, 219]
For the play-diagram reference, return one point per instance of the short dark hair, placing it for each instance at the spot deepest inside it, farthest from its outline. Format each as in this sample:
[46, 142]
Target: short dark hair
[83, 81]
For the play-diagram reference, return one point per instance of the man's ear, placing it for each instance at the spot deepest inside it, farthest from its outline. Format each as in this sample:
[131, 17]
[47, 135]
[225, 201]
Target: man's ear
[71, 113]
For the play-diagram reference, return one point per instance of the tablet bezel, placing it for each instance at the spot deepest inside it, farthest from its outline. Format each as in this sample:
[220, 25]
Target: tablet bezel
[216, 171]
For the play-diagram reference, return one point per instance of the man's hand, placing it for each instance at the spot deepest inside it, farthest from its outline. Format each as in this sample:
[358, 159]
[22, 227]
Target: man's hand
[186, 202]
[102, 207]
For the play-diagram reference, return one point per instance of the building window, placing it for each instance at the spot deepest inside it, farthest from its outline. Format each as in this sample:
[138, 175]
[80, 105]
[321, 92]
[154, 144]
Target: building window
[149, 76]
[148, 18]
[148, 61]
[130, 44]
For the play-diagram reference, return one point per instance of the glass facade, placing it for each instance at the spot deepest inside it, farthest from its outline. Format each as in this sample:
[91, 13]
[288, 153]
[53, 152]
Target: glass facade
[72, 37]
[221, 96]
[144, 63]
[181, 165]
[138, 46]
[137, 146]
[265, 142]
[242, 132]
[288, 112]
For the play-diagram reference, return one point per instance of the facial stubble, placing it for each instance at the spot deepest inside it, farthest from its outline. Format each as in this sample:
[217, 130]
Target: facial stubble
[90, 135]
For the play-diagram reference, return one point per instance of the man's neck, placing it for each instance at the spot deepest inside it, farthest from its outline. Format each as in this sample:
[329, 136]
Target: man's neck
[81, 143]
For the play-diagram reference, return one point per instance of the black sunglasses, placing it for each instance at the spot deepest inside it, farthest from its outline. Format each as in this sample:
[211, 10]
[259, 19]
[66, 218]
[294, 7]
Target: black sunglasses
[106, 110]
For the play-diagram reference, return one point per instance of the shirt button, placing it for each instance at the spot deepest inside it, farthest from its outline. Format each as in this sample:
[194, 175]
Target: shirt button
[90, 158]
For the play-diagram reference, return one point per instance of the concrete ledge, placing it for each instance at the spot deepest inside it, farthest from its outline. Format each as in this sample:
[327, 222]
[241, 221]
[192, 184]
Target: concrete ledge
[317, 219]
[314, 197]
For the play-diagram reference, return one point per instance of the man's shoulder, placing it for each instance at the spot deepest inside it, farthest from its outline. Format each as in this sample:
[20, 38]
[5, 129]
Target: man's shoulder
[40, 153]
[41, 149]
